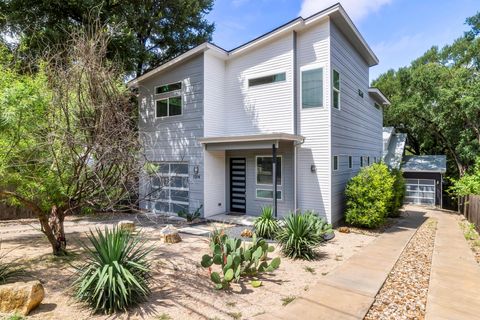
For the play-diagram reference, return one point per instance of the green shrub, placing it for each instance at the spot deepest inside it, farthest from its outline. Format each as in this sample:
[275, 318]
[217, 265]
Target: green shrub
[266, 226]
[299, 235]
[469, 183]
[398, 193]
[238, 259]
[190, 216]
[116, 274]
[369, 196]
[321, 226]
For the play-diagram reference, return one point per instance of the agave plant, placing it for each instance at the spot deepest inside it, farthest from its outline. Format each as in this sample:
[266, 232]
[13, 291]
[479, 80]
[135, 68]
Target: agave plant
[116, 274]
[299, 236]
[266, 226]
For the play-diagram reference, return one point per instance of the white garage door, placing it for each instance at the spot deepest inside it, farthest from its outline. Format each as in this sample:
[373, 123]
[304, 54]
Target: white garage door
[170, 188]
[420, 191]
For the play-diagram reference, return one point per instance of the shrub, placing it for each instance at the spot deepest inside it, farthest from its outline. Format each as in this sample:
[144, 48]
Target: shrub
[237, 260]
[369, 195]
[190, 216]
[321, 226]
[299, 235]
[8, 270]
[116, 274]
[469, 183]
[266, 226]
[398, 193]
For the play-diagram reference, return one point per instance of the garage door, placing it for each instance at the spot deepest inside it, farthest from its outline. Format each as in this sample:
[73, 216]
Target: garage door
[170, 188]
[420, 191]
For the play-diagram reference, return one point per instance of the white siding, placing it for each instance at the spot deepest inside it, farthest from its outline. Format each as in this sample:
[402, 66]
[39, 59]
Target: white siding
[214, 182]
[314, 125]
[214, 103]
[264, 108]
[357, 126]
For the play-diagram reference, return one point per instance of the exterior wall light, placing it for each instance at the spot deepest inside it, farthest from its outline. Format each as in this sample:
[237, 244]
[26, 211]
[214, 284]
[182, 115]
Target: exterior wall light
[313, 168]
[196, 170]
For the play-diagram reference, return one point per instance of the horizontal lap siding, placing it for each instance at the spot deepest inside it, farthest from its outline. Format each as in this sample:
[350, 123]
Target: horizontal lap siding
[215, 108]
[357, 126]
[314, 125]
[175, 138]
[263, 108]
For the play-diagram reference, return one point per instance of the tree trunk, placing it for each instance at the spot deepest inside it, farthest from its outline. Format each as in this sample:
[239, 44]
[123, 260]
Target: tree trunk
[56, 230]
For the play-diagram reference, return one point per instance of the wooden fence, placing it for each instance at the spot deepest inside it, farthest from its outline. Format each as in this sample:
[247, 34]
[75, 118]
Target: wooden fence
[11, 213]
[471, 210]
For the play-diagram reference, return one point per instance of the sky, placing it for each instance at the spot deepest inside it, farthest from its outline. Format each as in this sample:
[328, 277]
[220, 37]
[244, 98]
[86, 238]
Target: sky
[398, 31]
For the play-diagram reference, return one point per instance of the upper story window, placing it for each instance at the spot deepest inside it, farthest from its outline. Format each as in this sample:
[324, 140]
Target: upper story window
[336, 89]
[168, 88]
[376, 105]
[278, 77]
[312, 88]
[168, 107]
[335, 163]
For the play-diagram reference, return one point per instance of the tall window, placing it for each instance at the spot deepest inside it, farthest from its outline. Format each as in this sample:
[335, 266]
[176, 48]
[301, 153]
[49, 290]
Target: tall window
[350, 162]
[312, 88]
[264, 177]
[336, 89]
[267, 79]
[169, 107]
[335, 163]
[361, 161]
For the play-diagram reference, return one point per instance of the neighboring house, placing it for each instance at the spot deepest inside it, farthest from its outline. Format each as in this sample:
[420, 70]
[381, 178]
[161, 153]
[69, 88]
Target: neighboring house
[423, 174]
[214, 119]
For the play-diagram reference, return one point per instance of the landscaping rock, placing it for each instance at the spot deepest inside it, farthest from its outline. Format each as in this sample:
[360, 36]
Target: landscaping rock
[247, 233]
[169, 234]
[127, 225]
[21, 297]
[344, 229]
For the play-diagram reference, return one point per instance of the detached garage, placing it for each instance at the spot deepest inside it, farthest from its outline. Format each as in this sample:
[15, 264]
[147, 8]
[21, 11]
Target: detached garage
[424, 179]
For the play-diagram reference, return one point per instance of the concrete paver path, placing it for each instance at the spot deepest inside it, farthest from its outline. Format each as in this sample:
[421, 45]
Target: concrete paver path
[349, 291]
[454, 291]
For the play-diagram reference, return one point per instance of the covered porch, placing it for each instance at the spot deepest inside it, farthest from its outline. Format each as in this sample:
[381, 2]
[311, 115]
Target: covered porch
[244, 173]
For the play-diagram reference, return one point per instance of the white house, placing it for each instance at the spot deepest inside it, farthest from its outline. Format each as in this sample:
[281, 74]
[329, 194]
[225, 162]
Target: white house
[212, 120]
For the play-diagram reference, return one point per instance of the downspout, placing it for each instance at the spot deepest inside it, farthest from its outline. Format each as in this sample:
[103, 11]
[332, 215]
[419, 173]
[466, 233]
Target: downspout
[295, 120]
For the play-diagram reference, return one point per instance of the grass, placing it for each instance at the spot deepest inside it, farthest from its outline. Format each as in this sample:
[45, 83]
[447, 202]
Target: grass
[231, 304]
[287, 300]
[14, 317]
[310, 269]
[235, 315]
[163, 316]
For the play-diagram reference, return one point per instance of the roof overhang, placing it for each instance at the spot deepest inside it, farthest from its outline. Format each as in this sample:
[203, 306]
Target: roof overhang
[378, 96]
[336, 13]
[255, 141]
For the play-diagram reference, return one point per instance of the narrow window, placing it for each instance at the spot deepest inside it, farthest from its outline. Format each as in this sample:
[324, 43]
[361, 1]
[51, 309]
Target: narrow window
[336, 89]
[312, 88]
[168, 88]
[374, 159]
[335, 163]
[350, 162]
[361, 161]
[368, 160]
[267, 79]
[360, 93]
[268, 194]
[265, 170]
[377, 105]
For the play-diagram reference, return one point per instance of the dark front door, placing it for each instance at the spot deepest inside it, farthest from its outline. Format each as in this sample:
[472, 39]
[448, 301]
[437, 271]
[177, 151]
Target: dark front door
[238, 184]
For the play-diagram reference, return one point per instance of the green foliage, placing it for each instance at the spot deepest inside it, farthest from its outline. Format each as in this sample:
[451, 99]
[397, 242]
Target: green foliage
[116, 275]
[398, 193]
[8, 270]
[300, 234]
[266, 226]
[190, 216]
[15, 316]
[143, 33]
[287, 300]
[237, 259]
[469, 183]
[369, 196]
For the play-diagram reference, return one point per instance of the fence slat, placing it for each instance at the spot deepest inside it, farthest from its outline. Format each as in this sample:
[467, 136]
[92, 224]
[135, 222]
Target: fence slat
[472, 210]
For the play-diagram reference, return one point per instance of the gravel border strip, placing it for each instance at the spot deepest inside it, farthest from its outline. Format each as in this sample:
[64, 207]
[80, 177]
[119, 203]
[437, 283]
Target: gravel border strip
[404, 293]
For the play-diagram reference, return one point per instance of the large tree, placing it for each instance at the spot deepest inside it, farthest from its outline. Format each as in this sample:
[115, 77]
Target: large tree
[143, 33]
[436, 100]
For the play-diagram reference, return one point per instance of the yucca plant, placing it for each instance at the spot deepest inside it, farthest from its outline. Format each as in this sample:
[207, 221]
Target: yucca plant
[117, 273]
[266, 226]
[299, 236]
[8, 270]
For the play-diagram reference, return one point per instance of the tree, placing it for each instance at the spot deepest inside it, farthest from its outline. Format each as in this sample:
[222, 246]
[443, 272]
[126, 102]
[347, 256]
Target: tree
[147, 32]
[436, 100]
[68, 140]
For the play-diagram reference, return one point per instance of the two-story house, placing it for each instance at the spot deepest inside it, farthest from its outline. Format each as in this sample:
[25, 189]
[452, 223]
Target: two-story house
[283, 120]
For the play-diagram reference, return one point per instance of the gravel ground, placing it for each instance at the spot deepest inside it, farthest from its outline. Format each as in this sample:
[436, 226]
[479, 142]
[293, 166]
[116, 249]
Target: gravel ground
[404, 293]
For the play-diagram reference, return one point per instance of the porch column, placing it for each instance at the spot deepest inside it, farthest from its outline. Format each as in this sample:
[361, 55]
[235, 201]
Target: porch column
[274, 174]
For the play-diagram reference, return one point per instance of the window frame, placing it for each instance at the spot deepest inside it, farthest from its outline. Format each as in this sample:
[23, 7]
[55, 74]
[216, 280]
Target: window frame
[309, 68]
[256, 171]
[335, 163]
[167, 84]
[336, 90]
[168, 107]
[268, 199]
[265, 75]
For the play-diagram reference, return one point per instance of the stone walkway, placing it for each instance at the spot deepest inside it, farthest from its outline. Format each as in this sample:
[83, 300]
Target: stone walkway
[349, 291]
[454, 291]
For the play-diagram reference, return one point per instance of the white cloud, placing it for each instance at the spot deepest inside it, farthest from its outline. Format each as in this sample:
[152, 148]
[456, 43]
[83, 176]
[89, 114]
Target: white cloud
[356, 9]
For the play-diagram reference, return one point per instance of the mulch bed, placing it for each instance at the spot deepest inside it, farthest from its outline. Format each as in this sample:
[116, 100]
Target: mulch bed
[404, 293]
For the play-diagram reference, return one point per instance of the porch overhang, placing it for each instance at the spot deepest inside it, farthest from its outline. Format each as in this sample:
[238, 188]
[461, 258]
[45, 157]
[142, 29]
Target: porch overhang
[255, 141]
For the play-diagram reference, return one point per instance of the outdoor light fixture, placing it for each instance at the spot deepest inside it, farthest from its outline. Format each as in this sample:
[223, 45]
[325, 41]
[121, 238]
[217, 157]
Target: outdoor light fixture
[195, 169]
[313, 168]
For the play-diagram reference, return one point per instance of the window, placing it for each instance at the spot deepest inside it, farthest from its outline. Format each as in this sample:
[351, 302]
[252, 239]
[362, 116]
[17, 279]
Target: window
[361, 161]
[360, 93]
[335, 163]
[376, 105]
[169, 107]
[268, 194]
[265, 170]
[267, 79]
[374, 159]
[169, 187]
[368, 160]
[350, 162]
[312, 88]
[336, 89]
[168, 88]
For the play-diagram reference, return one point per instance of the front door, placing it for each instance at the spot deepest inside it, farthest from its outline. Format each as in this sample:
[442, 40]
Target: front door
[238, 184]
